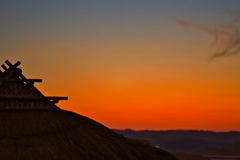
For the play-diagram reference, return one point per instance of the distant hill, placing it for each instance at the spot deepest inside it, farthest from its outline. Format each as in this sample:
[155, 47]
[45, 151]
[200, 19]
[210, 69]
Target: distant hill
[187, 140]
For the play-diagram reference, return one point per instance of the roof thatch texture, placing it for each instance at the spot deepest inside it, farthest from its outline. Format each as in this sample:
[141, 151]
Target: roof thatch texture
[64, 135]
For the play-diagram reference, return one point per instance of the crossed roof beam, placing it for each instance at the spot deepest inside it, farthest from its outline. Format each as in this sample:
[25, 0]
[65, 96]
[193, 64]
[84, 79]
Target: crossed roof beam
[14, 74]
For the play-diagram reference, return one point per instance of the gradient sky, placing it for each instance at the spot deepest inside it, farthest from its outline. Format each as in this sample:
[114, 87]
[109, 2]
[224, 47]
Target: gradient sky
[129, 64]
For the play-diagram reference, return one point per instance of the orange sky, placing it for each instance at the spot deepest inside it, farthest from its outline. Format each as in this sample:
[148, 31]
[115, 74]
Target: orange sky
[128, 65]
[175, 95]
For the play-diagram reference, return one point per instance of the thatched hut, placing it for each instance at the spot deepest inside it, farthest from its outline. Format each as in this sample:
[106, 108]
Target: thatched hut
[33, 127]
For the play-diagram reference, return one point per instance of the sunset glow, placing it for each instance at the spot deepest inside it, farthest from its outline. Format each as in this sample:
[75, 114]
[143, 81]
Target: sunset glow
[130, 65]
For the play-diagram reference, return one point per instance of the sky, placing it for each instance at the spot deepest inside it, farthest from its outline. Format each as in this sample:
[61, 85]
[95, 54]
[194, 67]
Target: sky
[139, 64]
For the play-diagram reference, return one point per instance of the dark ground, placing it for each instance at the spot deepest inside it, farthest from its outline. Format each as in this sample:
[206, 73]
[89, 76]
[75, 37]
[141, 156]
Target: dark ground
[64, 135]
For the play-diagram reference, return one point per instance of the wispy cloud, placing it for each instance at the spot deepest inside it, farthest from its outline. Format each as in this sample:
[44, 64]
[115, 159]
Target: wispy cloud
[226, 36]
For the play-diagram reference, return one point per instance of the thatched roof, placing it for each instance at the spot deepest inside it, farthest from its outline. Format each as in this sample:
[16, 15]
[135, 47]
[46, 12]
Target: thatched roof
[64, 135]
[33, 127]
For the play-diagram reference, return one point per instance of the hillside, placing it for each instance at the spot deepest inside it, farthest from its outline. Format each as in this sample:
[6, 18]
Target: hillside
[64, 135]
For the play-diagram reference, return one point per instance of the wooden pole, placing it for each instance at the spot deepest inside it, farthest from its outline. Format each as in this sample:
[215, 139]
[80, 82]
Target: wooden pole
[4, 67]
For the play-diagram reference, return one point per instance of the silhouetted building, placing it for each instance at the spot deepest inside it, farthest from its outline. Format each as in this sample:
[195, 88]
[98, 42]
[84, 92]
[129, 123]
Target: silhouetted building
[19, 93]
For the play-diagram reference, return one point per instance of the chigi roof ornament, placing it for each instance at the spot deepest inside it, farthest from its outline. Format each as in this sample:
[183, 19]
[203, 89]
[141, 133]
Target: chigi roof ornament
[19, 93]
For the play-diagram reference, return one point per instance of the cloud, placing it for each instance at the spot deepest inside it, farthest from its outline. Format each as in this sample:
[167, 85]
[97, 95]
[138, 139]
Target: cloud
[226, 36]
